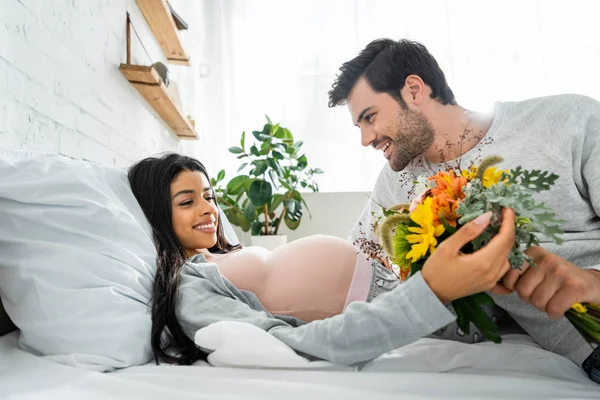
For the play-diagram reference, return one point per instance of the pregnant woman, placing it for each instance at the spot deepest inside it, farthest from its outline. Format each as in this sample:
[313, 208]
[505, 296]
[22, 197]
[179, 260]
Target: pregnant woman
[319, 295]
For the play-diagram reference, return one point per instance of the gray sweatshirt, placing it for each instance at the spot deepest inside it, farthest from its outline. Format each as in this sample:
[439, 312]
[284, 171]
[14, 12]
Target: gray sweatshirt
[560, 134]
[363, 332]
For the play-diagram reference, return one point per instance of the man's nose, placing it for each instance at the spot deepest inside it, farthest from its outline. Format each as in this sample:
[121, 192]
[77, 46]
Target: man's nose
[366, 137]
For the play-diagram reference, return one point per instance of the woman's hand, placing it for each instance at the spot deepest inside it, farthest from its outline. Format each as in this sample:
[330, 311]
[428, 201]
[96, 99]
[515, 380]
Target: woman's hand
[452, 275]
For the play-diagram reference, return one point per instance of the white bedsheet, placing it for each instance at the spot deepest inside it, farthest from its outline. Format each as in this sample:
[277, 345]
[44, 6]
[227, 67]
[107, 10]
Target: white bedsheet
[428, 369]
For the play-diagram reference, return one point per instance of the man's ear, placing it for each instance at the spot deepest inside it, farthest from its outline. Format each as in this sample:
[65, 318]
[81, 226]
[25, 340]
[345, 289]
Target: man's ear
[414, 90]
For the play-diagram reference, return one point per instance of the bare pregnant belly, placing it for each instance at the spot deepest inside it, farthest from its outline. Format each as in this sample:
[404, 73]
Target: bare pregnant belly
[308, 278]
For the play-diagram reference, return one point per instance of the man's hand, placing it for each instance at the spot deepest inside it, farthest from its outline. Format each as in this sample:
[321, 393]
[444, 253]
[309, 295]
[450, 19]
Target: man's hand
[553, 285]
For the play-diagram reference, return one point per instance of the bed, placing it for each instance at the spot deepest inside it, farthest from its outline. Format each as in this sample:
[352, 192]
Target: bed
[76, 276]
[428, 369]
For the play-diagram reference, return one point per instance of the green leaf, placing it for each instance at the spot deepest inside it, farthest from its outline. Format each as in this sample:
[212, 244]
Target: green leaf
[285, 184]
[447, 227]
[243, 140]
[221, 175]
[275, 165]
[274, 129]
[468, 309]
[276, 201]
[254, 151]
[277, 155]
[236, 185]
[292, 224]
[300, 198]
[274, 177]
[535, 180]
[250, 211]
[236, 150]
[298, 144]
[242, 167]
[279, 133]
[267, 130]
[287, 136]
[302, 162]
[265, 148]
[293, 208]
[260, 168]
[260, 192]
[318, 171]
[260, 136]
[237, 218]
[257, 227]
[268, 120]
[244, 224]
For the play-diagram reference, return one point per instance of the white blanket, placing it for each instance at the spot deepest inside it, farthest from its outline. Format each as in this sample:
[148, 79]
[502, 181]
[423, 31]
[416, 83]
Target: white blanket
[428, 369]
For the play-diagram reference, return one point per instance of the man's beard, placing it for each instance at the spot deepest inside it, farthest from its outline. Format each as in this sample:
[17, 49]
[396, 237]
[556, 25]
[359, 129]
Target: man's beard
[414, 136]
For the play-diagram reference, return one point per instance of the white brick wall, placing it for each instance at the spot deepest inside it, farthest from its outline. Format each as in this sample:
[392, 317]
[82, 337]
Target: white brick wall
[60, 88]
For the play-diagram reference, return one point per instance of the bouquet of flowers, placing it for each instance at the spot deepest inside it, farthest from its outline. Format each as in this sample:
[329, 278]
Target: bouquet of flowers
[409, 233]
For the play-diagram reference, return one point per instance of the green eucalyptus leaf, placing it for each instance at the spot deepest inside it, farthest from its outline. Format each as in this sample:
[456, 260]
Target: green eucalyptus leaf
[242, 167]
[236, 150]
[243, 140]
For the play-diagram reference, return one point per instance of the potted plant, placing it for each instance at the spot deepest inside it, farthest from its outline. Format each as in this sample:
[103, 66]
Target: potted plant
[268, 194]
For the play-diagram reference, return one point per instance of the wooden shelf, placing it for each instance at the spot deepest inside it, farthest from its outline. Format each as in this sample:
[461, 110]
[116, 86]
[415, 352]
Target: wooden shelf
[160, 19]
[147, 81]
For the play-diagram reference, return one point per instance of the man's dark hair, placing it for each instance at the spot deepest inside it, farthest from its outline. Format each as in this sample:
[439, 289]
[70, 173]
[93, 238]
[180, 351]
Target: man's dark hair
[386, 64]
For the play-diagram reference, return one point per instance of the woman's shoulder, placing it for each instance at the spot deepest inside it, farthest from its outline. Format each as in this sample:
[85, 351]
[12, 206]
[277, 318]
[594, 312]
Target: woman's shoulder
[197, 273]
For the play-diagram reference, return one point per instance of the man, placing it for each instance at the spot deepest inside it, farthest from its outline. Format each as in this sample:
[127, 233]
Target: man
[399, 98]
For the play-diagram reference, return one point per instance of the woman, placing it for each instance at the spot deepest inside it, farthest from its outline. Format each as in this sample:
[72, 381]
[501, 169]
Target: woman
[317, 295]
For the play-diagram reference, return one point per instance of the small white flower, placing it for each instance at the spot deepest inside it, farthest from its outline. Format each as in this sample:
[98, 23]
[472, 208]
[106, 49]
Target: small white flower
[421, 184]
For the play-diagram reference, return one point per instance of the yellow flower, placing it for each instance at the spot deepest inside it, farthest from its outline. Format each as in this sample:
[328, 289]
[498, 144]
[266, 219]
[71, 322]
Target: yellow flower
[424, 236]
[580, 308]
[470, 175]
[491, 176]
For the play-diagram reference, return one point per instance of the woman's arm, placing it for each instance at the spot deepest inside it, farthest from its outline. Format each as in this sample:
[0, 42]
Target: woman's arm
[363, 332]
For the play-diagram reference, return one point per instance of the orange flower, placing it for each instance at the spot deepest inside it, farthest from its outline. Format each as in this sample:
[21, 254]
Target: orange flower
[450, 184]
[444, 206]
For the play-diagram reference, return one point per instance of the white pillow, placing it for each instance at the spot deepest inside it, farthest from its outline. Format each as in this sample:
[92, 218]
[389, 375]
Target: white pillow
[77, 260]
[242, 345]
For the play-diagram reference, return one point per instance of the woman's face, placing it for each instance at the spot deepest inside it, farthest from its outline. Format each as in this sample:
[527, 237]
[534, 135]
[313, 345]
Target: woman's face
[195, 214]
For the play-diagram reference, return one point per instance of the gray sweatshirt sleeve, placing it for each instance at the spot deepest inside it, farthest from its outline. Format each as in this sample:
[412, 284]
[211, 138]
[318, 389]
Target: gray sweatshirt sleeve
[363, 332]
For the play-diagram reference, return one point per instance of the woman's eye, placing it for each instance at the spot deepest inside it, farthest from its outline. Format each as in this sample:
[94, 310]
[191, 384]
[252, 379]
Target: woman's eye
[209, 198]
[186, 203]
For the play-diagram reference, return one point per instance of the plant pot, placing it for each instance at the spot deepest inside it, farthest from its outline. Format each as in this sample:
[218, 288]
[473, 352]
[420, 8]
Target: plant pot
[269, 242]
